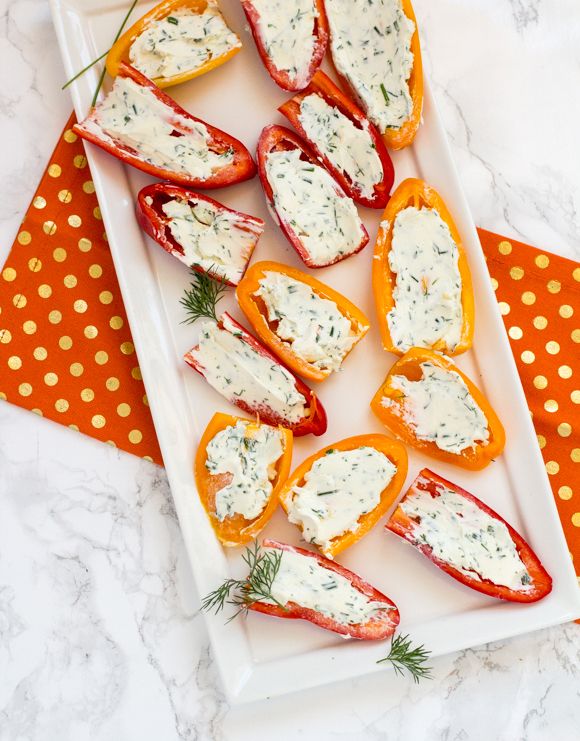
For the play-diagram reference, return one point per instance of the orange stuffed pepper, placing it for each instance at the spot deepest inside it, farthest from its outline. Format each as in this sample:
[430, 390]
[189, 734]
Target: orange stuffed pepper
[421, 279]
[239, 468]
[176, 41]
[307, 324]
[427, 402]
[338, 494]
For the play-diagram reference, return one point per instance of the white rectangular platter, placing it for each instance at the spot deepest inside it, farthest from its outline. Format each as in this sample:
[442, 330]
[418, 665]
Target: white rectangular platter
[261, 656]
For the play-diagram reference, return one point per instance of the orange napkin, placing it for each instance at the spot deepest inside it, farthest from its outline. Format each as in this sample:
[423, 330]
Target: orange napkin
[66, 349]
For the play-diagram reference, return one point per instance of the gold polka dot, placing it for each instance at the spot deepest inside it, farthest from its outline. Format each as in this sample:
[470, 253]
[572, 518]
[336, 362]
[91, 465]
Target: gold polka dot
[98, 421]
[90, 332]
[9, 274]
[65, 196]
[59, 254]
[123, 410]
[3, 396]
[89, 186]
[145, 400]
[25, 389]
[127, 348]
[540, 382]
[95, 271]
[135, 436]
[40, 353]
[551, 405]
[74, 427]
[115, 322]
[542, 261]
[515, 333]
[528, 298]
[552, 347]
[540, 322]
[564, 371]
[97, 213]
[49, 228]
[101, 357]
[576, 519]
[24, 237]
[65, 342]
[5, 336]
[51, 379]
[528, 357]
[75, 221]
[504, 247]
[565, 311]
[37, 411]
[541, 441]
[29, 327]
[554, 286]
[70, 136]
[39, 202]
[54, 171]
[55, 317]
[552, 467]
[516, 272]
[70, 281]
[85, 244]
[87, 394]
[575, 455]
[136, 373]
[44, 291]
[105, 297]
[35, 265]
[576, 274]
[80, 161]
[61, 405]
[565, 492]
[14, 362]
[76, 369]
[80, 306]
[575, 396]
[148, 458]
[504, 308]
[494, 284]
[564, 429]
[575, 335]
[112, 383]
[19, 300]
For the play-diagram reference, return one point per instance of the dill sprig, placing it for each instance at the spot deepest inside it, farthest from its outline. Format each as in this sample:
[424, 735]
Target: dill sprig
[402, 656]
[201, 298]
[242, 593]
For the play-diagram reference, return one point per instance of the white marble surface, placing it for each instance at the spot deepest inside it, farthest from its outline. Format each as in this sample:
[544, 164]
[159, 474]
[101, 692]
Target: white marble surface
[100, 636]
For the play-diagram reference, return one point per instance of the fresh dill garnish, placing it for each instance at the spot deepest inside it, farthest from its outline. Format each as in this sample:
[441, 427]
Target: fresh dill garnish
[202, 296]
[403, 656]
[385, 94]
[171, 19]
[242, 593]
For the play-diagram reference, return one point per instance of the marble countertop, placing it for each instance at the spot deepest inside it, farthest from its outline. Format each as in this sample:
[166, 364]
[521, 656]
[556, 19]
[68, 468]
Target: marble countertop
[100, 635]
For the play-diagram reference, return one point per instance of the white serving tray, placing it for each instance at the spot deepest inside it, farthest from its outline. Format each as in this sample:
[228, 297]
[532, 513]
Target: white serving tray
[261, 656]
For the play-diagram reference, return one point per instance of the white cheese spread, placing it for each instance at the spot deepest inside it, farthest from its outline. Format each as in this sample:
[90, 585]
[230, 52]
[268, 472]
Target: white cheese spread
[132, 114]
[466, 537]
[339, 488]
[306, 197]
[249, 454]
[312, 326]
[182, 42]
[371, 47]
[427, 294]
[211, 237]
[349, 148]
[239, 372]
[440, 409]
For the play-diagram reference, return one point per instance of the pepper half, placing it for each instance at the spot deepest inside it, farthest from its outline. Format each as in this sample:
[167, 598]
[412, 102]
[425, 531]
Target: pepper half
[401, 524]
[415, 192]
[255, 310]
[382, 625]
[236, 529]
[155, 223]
[392, 449]
[119, 52]
[322, 86]
[393, 414]
[242, 167]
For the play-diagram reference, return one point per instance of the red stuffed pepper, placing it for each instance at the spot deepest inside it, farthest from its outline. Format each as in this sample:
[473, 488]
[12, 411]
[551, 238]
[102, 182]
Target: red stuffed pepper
[142, 126]
[310, 587]
[291, 38]
[344, 140]
[204, 234]
[468, 540]
[249, 376]
[318, 218]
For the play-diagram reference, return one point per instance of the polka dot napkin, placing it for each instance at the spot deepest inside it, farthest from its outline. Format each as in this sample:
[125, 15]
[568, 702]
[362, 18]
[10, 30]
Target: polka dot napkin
[66, 351]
